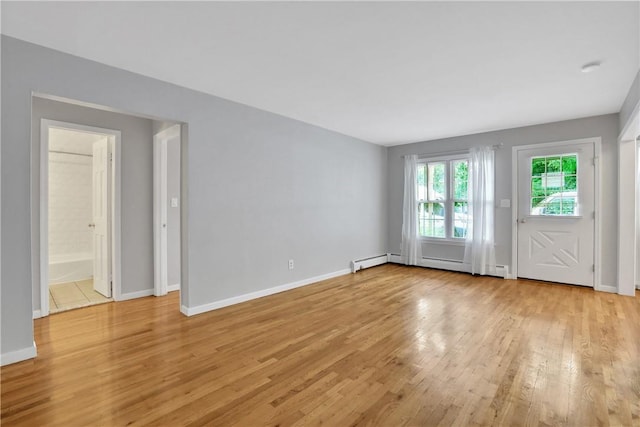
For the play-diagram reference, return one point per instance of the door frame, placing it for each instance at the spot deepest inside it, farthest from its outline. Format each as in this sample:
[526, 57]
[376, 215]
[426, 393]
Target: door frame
[627, 170]
[637, 212]
[116, 232]
[161, 208]
[597, 142]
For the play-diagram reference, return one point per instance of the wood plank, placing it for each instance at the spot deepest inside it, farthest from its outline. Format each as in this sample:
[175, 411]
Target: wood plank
[391, 345]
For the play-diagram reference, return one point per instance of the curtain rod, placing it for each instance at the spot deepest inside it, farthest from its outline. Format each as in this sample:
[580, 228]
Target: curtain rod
[72, 154]
[453, 153]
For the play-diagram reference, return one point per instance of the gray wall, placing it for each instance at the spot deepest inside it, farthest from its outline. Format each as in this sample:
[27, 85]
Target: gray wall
[257, 188]
[602, 126]
[137, 187]
[630, 102]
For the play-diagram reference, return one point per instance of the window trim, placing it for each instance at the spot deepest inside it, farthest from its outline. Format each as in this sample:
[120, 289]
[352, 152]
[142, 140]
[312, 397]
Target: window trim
[448, 202]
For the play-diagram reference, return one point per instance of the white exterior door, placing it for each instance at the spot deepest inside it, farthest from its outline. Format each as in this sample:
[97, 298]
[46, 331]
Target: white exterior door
[556, 213]
[101, 220]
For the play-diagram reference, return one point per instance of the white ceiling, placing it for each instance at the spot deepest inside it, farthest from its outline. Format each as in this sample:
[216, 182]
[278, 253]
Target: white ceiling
[385, 72]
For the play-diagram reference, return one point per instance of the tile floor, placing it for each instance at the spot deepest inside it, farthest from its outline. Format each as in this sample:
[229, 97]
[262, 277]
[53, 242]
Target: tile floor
[67, 296]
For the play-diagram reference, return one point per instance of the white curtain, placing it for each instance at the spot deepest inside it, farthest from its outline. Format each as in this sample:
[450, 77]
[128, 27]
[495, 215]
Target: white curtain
[479, 251]
[411, 250]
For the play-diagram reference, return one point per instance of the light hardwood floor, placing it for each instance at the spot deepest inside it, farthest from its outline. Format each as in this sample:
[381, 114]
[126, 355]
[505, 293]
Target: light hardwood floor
[388, 346]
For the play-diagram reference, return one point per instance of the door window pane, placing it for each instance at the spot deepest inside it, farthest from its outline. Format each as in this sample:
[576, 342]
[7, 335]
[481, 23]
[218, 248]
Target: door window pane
[570, 164]
[554, 164]
[537, 205]
[570, 182]
[568, 205]
[538, 166]
[552, 206]
[554, 184]
[537, 187]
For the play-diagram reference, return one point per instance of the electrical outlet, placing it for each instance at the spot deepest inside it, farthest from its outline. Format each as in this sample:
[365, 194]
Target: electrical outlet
[290, 264]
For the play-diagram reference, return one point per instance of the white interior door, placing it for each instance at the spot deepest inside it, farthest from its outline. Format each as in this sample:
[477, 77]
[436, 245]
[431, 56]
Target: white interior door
[101, 217]
[556, 213]
[160, 214]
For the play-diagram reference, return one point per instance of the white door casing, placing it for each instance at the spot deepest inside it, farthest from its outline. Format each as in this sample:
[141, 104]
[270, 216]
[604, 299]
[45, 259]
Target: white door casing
[161, 207]
[101, 217]
[557, 248]
[627, 205]
[637, 214]
[40, 257]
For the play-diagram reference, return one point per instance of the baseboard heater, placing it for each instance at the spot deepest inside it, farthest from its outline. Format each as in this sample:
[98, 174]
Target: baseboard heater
[359, 264]
[442, 264]
[448, 264]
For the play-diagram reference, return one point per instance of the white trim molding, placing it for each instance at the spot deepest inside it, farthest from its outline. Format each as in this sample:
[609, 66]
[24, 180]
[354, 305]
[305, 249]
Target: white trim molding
[19, 355]
[626, 217]
[191, 311]
[173, 288]
[160, 206]
[41, 269]
[628, 206]
[608, 288]
[134, 295]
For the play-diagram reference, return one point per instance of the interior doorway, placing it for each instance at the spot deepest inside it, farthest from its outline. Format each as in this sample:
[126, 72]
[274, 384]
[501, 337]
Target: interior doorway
[166, 209]
[79, 216]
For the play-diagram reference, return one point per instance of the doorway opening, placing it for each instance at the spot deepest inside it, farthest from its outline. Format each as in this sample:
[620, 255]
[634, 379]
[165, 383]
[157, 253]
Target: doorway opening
[166, 208]
[79, 214]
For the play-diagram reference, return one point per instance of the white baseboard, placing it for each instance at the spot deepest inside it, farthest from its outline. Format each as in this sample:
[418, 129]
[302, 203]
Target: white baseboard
[190, 311]
[631, 293]
[19, 355]
[369, 262]
[172, 288]
[134, 295]
[37, 314]
[444, 264]
[608, 288]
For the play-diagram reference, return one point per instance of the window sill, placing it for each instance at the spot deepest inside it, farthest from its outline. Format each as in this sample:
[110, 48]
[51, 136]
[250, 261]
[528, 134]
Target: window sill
[442, 241]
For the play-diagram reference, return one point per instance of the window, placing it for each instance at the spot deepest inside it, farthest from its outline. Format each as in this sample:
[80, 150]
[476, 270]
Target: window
[554, 185]
[442, 198]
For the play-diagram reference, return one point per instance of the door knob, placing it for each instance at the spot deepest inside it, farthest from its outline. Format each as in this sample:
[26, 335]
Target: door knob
[523, 220]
